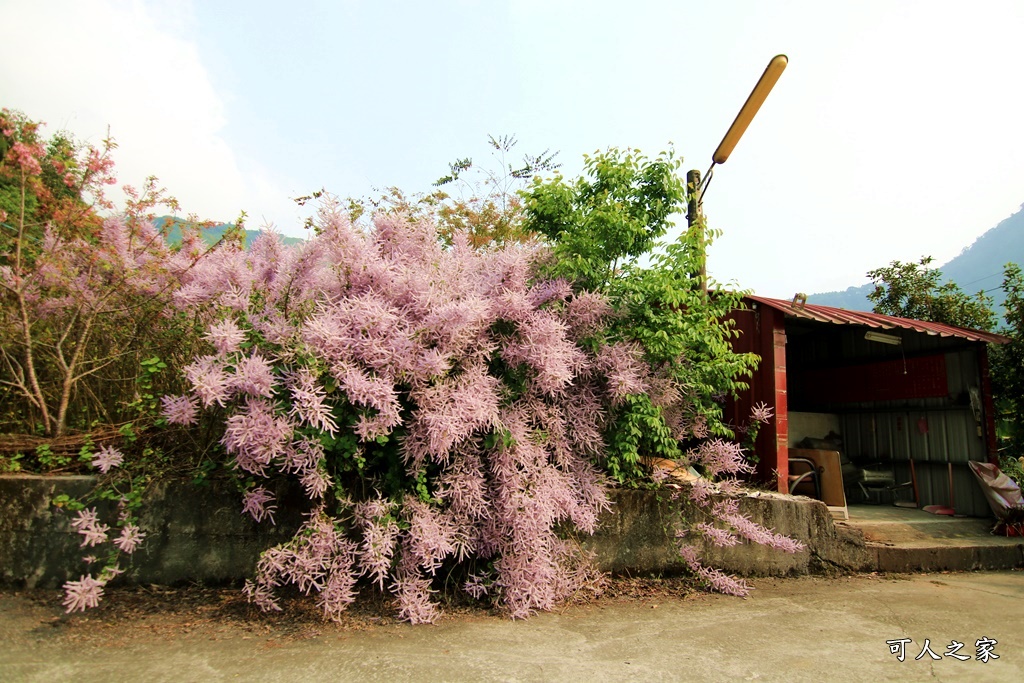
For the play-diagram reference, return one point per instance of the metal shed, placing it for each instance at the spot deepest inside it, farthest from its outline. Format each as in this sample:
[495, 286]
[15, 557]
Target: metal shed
[893, 389]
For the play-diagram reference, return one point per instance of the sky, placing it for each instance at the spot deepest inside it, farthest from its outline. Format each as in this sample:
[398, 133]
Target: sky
[894, 133]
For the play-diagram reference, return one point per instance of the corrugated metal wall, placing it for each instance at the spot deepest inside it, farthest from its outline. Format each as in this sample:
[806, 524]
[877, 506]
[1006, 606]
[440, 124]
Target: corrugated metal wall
[897, 436]
[934, 431]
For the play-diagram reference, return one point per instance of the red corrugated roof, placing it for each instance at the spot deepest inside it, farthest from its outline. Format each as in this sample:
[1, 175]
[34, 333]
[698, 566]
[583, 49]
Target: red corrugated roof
[841, 316]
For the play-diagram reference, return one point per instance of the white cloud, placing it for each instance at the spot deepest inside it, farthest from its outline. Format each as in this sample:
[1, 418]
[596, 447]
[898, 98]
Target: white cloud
[84, 66]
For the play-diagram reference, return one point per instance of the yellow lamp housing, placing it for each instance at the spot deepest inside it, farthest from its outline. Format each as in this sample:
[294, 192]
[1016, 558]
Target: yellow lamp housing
[754, 101]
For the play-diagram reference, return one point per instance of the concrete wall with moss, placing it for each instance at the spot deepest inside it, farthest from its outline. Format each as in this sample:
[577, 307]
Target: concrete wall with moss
[199, 534]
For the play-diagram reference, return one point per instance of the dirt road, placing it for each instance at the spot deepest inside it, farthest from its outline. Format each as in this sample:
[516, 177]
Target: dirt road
[790, 629]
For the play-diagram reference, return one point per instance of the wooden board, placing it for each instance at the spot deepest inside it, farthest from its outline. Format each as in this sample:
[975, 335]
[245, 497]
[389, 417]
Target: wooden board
[831, 469]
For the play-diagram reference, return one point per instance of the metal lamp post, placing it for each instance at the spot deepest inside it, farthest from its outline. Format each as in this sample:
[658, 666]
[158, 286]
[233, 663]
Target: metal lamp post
[695, 186]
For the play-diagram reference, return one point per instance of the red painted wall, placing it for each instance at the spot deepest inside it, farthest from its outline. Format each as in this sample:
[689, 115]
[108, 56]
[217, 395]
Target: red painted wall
[762, 331]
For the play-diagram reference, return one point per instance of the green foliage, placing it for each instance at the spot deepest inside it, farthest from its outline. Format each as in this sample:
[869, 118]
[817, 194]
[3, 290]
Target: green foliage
[639, 431]
[11, 463]
[17, 129]
[62, 158]
[1013, 468]
[607, 218]
[67, 503]
[913, 290]
[602, 227]
[85, 453]
[663, 307]
[49, 460]
[146, 401]
[1008, 366]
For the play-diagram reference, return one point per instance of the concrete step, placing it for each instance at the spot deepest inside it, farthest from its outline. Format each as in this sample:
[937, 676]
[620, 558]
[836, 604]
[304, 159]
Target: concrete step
[924, 558]
[909, 540]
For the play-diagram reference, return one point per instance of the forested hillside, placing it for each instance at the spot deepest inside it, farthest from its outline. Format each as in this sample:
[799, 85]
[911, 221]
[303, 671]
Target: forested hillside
[978, 267]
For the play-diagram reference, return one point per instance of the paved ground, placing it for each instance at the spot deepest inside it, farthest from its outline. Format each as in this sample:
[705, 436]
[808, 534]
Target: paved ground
[790, 629]
[910, 527]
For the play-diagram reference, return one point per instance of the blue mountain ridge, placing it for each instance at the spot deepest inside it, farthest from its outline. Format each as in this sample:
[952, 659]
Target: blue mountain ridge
[978, 267]
[210, 234]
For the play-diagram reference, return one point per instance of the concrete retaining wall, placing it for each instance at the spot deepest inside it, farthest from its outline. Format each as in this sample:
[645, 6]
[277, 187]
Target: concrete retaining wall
[638, 537]
[192, 533]
[199, 534]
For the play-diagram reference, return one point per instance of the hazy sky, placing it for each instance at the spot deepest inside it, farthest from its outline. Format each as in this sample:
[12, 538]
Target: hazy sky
[894, 133]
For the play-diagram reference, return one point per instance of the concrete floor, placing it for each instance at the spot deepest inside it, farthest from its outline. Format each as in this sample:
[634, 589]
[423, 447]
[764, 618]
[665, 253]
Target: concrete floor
[807, 629]
[892, 525]
[895, 513]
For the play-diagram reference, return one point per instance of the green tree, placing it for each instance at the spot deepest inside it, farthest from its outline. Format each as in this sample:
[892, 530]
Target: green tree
[913, 290]
[607, 219]
[1008, 370]
[606, 229]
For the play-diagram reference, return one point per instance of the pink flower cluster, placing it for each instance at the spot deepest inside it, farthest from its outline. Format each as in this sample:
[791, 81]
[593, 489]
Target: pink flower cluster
[722, 461]
[377, 520]
[258, 504]
[319, 559]
[130, 538]
[75, 277]
[107, 458]
[87, 591]
[411, 335]
[88, 525]
[82, 594]
[27, 157]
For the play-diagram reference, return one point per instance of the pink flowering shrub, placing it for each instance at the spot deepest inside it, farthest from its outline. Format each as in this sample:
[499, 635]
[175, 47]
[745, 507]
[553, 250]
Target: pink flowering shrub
[84, 292]
[723, 463]
[87, 591]
[450, 407]
[436, 404]
[445, 409]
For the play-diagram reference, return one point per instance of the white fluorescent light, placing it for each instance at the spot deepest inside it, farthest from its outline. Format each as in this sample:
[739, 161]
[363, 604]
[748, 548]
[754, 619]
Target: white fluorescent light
[883, 338]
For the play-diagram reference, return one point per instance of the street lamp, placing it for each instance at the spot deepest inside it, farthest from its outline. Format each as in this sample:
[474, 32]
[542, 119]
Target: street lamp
[695, 187]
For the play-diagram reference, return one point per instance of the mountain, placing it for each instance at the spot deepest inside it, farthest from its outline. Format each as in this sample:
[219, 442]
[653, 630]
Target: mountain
[211, 234]
[978, 267]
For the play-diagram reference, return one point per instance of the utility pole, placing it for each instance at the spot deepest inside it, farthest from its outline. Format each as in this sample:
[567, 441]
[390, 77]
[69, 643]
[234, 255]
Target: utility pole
[695, 186]
[695, 223]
